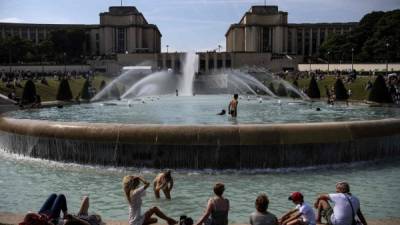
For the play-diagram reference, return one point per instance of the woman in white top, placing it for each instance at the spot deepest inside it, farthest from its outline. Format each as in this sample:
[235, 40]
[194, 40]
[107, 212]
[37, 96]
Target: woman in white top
[134, 195]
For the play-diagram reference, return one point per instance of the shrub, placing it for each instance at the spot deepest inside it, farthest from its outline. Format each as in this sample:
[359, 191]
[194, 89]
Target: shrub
[64, 91]
[103, 84]
[379, 92]
[340, 90]
[29, 93]
[281, 90]
[271, 88]
[85, 94]
[313, 89]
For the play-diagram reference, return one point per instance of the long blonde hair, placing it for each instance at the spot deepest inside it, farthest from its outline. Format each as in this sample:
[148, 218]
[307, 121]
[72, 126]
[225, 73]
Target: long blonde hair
[129, 183]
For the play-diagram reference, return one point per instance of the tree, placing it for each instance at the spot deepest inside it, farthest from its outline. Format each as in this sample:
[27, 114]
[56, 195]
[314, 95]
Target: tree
[85, 94]
[368, 39]
[114, 92]
[64, 91]
[103, 84]
[271, 88]
[29, 93]
[313, 89]
[281, 90]
[379, 92]
[340, 90]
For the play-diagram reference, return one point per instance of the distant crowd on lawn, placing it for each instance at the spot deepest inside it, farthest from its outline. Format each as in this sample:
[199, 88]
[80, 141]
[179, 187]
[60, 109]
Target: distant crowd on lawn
[346, 208]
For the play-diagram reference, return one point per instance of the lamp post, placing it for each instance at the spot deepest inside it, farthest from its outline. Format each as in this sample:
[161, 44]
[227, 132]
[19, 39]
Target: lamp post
[167, 48]
[352, 59]
[328, 61]
[219, 48]
[387, 57]
[65, 64]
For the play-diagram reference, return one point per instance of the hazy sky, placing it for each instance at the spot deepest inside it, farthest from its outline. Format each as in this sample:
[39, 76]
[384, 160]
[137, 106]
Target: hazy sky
[189, 24]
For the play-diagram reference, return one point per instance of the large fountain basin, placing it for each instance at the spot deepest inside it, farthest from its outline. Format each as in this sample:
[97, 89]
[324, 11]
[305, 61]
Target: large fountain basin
[203, 146]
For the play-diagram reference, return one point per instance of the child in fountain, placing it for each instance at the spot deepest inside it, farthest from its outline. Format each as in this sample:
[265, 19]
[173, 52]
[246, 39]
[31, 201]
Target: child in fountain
[303, 214]
[164, 182]
[134, 195]
[232, 108]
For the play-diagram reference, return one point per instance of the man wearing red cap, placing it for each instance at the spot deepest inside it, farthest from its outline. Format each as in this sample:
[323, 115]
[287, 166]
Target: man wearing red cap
[303, 214]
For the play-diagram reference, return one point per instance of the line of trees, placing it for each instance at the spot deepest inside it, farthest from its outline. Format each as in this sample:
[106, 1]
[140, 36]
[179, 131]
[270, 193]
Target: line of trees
[61, 46]
[374, 39]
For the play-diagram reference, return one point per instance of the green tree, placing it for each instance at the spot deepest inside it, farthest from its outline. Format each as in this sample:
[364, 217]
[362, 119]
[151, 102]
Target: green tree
[313, 89]
[103, 84]
[85, 94]
[379, 92]
[272, 88]
[281, 90]
[29, 93]
[340, 90]
[64, 91]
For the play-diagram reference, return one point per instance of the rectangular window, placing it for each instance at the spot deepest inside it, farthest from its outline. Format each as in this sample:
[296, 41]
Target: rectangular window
[121, 40]
[219, 63]
[40, 35]
[228, 63]
[211, 64]
[266, 45]
[32, 34]
[24, 33]
[289, 44]
[299, 42]
[202, 64]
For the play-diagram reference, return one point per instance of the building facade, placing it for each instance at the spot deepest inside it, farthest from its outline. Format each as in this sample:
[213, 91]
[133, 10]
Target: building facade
[123, 29]
[266, 29]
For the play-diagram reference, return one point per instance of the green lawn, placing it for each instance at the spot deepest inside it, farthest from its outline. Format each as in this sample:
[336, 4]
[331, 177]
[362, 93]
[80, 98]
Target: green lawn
[357, 87]
[48, 93]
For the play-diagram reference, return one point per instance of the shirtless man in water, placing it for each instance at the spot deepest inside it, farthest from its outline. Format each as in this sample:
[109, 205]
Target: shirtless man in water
[232, 108]
[164, 182]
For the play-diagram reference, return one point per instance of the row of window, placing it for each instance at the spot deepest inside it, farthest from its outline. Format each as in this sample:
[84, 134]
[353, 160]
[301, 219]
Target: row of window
[33, 34]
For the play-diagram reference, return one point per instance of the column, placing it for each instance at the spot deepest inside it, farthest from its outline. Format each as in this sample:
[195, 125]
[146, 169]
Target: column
[310, 42]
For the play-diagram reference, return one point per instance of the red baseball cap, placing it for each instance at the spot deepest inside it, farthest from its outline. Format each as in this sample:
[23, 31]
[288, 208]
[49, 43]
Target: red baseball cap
[296, 196]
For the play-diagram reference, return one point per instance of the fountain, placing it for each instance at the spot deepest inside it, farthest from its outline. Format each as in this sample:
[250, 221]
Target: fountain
[151, 127]
[281, 143]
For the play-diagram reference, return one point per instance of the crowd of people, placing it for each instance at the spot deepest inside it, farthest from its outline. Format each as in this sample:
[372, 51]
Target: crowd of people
[345, 210]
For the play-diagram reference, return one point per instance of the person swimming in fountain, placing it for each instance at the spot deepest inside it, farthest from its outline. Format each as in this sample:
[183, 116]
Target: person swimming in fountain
[223, 112]
[232, 108]
[164, 182]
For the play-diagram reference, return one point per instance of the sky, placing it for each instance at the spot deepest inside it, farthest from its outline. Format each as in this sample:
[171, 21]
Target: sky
[189, 25]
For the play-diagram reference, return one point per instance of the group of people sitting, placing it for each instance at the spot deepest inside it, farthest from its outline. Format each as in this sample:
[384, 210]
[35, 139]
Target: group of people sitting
[345, 211]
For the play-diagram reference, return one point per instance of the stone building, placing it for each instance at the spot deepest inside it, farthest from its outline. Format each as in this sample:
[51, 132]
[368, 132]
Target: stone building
[266, 29]
[123, 29]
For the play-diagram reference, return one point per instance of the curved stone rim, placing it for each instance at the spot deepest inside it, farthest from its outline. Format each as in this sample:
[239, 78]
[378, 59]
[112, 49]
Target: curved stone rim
[243, 134]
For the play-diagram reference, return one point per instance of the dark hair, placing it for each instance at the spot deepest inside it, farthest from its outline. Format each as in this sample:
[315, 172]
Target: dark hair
[235, 96]
[219, 189]
[262, 203]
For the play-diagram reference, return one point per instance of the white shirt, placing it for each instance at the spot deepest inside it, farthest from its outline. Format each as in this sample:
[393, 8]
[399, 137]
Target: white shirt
[307, 213]
[135, 217]
[342, 213]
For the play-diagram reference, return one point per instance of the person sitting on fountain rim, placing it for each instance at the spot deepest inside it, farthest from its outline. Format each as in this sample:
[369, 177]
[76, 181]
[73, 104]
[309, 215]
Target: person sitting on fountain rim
[164, 182]
[303, 214]
[262, 216]
[346, 207]
[49, 213]
[232, 108]
[134, 195]
[83, 217]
